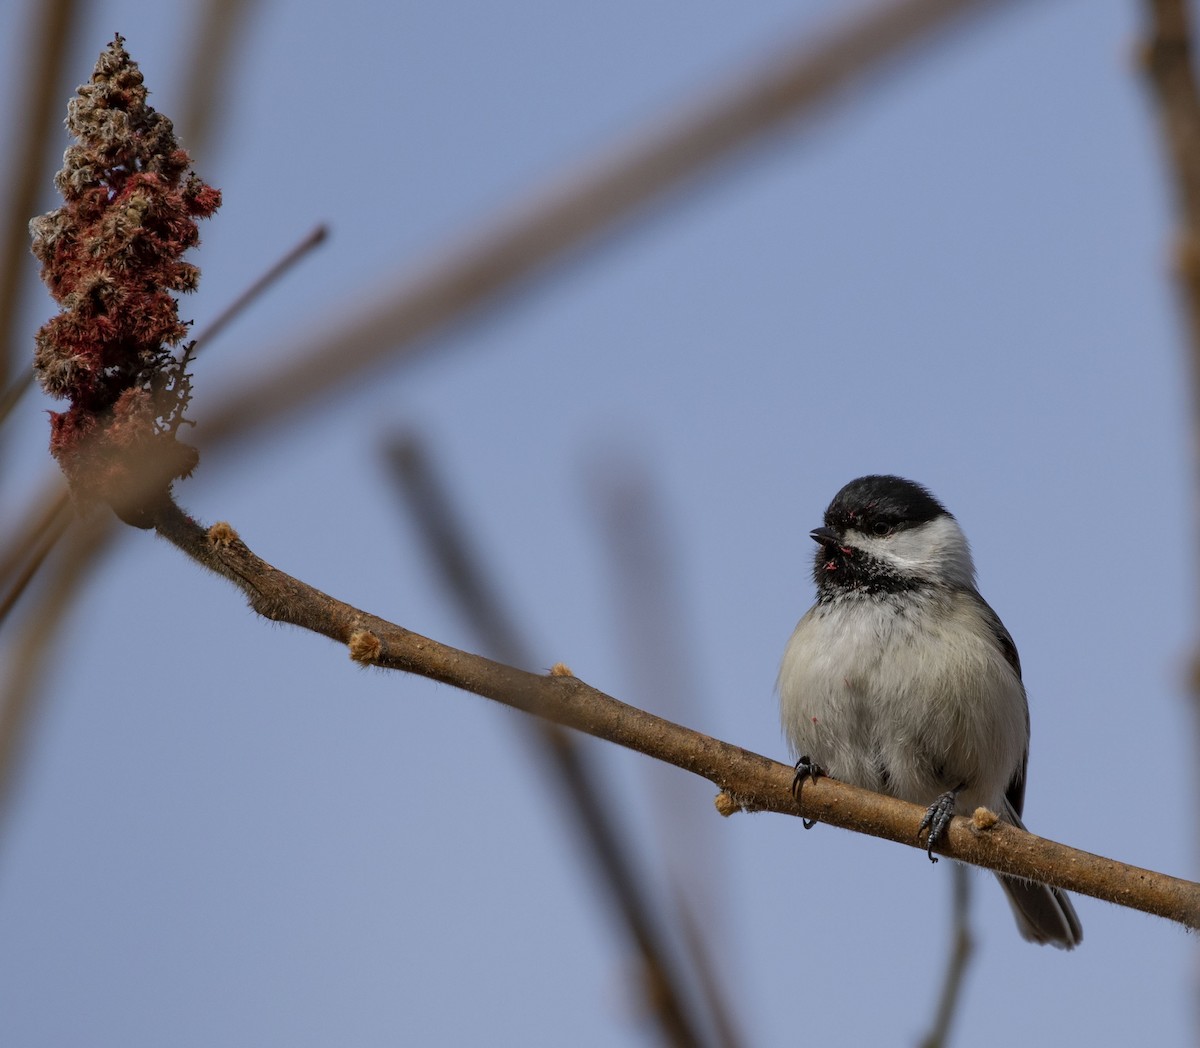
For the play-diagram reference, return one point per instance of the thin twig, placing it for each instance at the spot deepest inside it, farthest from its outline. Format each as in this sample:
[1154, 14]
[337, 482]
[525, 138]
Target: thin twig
[577, 780]
[312, 239]
[961, 947]
[574, 210]
[747, 780]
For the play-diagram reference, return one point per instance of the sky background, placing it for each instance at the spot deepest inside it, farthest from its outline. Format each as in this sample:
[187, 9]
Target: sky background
[226, 833]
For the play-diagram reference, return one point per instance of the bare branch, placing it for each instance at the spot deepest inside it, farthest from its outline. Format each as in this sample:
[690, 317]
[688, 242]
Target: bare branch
[748, 781]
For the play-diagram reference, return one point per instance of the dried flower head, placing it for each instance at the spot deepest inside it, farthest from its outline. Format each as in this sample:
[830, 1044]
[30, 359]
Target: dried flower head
[111, 257]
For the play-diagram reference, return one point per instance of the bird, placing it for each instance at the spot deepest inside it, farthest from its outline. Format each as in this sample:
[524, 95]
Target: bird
[901, 678]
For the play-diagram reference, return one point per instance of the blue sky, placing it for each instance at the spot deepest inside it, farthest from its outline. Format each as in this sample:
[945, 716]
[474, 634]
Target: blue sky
[227, 834]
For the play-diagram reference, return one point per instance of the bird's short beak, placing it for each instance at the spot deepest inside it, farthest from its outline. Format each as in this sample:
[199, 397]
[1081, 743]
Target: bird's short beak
[825, 536]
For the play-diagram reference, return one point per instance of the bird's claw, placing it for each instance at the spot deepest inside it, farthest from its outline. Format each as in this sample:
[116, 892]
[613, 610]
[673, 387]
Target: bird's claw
[937, 821]
[806, 768]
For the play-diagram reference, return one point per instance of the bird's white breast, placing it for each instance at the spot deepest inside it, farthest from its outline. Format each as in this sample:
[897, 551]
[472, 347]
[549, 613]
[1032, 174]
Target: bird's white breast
[906, 694]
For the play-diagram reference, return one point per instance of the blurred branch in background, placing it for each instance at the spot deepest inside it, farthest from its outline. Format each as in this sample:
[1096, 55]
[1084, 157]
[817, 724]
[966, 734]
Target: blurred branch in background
[574, 210]
[40, 640]
[28, 173]
[962, 946]
[48, 513]
[30, 555]
[210, 71]
[652, 630]
[1169, 62]
[577, 782]
[749, 782]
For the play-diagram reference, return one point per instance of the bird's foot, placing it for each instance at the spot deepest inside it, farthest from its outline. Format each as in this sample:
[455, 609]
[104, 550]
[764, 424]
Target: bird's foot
[806, 768]
[937, 821]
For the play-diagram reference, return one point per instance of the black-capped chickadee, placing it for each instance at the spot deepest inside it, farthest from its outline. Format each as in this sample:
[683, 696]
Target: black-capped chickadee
[902, 680]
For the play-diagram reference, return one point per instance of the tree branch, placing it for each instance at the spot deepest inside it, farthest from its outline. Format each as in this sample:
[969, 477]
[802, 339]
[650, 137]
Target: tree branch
[748, 781]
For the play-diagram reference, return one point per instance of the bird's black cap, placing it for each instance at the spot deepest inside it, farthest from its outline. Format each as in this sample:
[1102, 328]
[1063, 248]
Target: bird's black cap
[882, 498]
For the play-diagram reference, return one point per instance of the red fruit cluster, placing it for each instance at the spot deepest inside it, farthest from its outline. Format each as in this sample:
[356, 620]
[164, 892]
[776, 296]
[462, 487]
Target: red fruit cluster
[111, 257]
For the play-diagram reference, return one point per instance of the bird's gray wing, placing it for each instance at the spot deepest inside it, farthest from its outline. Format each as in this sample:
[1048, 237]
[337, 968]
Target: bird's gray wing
[1015, 794]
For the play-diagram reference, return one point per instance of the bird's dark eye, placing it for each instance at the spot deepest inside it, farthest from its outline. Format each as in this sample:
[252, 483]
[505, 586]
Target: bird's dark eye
[881, 527]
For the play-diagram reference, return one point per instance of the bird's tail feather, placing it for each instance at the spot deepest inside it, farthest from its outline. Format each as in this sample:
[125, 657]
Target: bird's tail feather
[1044, 914]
